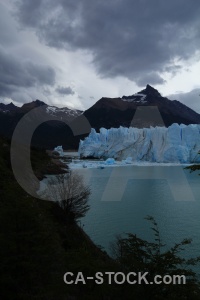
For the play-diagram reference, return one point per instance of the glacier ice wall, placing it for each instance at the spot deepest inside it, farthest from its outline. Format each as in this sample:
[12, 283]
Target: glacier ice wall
[177, 143]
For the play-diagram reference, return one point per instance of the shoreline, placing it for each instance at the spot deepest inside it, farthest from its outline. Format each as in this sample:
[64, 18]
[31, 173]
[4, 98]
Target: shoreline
[80, 164]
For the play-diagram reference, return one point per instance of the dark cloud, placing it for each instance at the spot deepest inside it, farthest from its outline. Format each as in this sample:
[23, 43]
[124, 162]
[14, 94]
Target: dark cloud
[191, 99]
[151, 78]
[7, 34]
[127, 38]
[6, 90]
[16, 74]
[65, 90]
[173, 69]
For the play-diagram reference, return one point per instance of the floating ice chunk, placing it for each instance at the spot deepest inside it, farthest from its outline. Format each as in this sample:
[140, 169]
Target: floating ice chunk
[110, 161]
[59, 149]
[128, 160]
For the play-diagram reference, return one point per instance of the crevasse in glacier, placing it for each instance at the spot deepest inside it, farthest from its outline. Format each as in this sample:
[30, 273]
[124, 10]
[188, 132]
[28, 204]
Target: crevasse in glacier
[177, 143]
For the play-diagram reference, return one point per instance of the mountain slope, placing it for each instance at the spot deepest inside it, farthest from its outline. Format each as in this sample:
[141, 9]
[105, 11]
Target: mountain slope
[8, 107]
[47, 135]
[115, 112]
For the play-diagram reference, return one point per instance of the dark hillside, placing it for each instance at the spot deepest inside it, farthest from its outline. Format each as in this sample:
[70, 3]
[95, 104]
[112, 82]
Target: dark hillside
[38, 245]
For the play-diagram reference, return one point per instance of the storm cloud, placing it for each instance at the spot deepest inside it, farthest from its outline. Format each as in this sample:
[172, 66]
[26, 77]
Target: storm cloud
[64, 51]
[191, 99]
[139, 40]
[15, 73]
[65, 90]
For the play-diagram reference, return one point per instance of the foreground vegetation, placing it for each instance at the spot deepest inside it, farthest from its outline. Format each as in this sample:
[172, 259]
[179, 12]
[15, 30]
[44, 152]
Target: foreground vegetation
[143, 256]
[38, 244]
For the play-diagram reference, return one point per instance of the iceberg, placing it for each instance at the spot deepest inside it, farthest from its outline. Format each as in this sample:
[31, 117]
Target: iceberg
[59, 149]
[110, 161]
[128, 160]
[175, 144]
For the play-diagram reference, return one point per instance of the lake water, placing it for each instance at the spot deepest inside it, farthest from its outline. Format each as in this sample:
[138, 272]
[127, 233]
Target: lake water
[122, 197]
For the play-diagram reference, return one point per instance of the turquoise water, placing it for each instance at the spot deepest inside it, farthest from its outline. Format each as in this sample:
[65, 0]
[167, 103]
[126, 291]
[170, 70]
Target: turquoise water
[170, 194]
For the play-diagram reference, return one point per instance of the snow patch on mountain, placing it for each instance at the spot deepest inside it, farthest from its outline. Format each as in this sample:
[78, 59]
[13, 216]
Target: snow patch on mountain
[134, 98]
[52, 110]
[177, 143]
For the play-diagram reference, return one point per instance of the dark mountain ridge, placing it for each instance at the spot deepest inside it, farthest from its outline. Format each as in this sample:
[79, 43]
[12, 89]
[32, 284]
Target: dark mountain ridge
[115, 112]
[8, 107]
[143, 109]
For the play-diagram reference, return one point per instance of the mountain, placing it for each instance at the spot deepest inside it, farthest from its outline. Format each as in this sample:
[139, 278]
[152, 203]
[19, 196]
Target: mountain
[47, 135]
[176, 143]
[143, 109]
[34, 104]
[6, 108]
[50, 110]
[58, 113]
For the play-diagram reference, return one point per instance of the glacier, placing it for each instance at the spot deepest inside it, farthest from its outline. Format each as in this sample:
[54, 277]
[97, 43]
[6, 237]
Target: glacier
[175, 144]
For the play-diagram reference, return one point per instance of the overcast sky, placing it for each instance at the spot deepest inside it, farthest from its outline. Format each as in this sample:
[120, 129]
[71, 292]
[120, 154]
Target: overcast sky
[73, 52]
